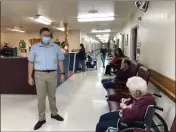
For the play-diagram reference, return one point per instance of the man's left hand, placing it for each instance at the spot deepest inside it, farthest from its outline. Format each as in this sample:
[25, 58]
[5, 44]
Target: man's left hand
[62, 78]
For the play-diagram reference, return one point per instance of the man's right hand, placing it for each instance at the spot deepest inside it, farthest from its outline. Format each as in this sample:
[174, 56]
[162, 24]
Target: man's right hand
[30, 81]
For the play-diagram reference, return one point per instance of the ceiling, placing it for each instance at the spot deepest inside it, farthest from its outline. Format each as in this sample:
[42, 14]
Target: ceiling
[18, 12]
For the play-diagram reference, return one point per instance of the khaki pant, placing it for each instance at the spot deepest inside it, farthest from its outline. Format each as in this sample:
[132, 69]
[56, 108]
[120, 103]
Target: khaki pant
[46, 84]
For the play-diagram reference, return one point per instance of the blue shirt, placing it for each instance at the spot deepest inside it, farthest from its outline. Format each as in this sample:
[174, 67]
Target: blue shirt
[45, 57]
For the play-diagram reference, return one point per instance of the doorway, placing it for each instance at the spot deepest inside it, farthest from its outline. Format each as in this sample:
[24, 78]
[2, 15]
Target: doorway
[117, 43]
[134, 42]
[123, 43]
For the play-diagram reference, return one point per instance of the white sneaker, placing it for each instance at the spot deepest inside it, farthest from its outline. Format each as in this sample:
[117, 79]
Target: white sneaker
[112, 129]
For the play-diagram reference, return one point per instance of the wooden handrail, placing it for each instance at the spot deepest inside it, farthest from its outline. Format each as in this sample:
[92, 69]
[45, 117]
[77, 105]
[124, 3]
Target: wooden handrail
[163, 83]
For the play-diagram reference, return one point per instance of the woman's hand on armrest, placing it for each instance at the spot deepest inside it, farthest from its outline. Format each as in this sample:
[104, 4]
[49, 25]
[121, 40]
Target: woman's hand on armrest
[123, 106]
[125, 100]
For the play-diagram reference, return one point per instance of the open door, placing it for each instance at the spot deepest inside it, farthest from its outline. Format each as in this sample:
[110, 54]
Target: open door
[117, 43]
[123, 43]
[134, 42]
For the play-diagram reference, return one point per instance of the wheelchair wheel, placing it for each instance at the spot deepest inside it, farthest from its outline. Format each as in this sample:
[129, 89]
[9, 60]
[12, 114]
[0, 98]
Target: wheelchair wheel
[134, 130]
[159, 124]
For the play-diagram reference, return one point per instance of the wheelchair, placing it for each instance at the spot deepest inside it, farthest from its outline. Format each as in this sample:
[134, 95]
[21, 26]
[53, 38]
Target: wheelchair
[146, 125]
[91, 62]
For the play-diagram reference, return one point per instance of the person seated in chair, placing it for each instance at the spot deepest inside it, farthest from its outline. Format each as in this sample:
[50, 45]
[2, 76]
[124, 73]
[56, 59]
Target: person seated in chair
[121, 76]
[132, 109]
[118, 55]
[112, 63]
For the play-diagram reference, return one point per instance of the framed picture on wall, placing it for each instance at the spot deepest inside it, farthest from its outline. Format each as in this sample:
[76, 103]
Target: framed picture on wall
[126, 40]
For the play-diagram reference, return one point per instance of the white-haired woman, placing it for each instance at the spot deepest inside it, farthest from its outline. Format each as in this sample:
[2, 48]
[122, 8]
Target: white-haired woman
[132, 108]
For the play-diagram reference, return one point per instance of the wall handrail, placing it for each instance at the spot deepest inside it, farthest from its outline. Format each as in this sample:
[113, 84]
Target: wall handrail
[163, 83]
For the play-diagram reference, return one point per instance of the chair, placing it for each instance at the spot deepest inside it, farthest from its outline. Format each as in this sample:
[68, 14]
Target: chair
[134, 69]
[173, 127]
[117, 66]
[115, 95]
[144, 73]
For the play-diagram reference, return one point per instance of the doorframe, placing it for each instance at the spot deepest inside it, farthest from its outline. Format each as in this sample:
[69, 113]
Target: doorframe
[123, 42]
[118, 42]
[132, 43]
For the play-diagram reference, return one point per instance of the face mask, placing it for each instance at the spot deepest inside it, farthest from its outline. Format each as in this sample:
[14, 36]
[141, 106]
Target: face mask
[46, 40]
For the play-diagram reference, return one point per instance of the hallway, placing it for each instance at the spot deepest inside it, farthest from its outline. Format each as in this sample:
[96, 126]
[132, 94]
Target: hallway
[80, 101]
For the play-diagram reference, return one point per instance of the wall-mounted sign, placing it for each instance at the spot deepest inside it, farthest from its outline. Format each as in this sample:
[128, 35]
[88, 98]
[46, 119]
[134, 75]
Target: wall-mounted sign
[138, 51]
[22, 44]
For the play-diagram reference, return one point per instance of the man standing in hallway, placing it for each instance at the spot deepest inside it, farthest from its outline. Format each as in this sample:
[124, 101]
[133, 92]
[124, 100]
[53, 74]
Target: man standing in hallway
[44, 58]
[103, 55]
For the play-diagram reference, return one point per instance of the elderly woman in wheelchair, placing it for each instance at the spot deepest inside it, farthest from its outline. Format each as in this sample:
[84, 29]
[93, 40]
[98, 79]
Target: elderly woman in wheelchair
[131, 109]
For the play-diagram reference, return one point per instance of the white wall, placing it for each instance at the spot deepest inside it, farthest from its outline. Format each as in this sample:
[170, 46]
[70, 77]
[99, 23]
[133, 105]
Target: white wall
[89, 42]
[74, 40]
[156, 33]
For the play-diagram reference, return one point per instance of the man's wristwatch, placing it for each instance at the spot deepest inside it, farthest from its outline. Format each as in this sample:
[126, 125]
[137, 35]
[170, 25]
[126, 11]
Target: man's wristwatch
[63, 73]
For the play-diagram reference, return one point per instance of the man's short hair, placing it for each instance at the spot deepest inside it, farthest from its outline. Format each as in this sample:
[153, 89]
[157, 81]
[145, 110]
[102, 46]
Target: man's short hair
[43, 30]
[128, 62]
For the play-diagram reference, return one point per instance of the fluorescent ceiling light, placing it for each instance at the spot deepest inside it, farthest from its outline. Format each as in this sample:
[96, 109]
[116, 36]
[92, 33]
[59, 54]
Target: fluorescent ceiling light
[97, 15]
[43, 20]
[104, 35]
[61, 29]
[16, 30]
[104, 38]
[95, 19]
[101, 31]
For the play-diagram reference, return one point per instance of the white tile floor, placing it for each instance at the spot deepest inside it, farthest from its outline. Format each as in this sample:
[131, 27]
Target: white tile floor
[80, 101]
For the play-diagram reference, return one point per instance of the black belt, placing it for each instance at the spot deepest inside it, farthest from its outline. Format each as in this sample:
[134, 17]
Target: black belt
[45, 70]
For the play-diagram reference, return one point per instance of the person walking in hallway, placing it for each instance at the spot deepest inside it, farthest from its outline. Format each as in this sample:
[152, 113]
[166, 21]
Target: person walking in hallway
[103, 55]
[82, 57]
[44, 59]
